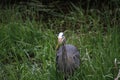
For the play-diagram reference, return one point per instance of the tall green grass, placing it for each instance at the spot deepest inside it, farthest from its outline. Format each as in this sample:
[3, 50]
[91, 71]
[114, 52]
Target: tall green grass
[27, 47]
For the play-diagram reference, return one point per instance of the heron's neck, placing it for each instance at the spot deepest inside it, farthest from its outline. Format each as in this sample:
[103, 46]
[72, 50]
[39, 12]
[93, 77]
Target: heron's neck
[64, 52]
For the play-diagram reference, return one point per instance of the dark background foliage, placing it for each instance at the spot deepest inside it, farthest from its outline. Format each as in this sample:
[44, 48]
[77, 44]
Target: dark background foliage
[84, 3]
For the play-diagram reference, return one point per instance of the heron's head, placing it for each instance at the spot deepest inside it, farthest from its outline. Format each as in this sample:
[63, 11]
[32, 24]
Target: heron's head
[61, 38]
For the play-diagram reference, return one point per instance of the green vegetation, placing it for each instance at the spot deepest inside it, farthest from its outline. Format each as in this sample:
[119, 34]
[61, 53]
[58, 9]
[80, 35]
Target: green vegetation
[27, 46]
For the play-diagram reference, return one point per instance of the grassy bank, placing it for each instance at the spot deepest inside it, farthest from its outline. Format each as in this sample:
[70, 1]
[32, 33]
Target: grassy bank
[27, 46]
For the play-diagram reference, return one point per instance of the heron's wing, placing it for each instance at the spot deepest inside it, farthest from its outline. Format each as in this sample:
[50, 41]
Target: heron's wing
[73, 52]
[76, 57]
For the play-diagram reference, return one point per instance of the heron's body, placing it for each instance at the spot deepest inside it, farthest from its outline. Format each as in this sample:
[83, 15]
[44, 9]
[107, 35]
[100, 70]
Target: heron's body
[67, 62]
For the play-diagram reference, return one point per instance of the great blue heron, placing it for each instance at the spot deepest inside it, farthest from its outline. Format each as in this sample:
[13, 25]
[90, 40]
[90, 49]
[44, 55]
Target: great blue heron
[67, 58]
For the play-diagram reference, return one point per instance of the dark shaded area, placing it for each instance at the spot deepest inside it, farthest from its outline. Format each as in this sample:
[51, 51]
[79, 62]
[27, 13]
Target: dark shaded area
[84, 3]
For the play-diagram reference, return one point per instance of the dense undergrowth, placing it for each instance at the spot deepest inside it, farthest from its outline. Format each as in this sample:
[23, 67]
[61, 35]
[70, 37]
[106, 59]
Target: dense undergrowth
[27, 45]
